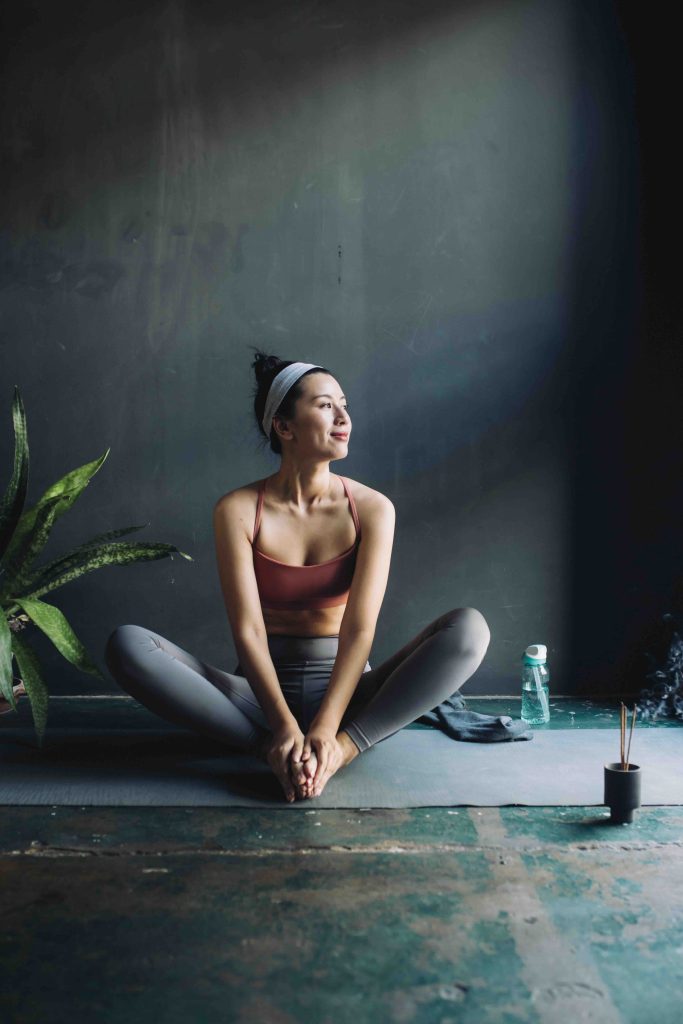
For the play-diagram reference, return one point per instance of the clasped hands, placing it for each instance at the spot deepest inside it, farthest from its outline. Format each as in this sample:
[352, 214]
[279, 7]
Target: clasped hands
[304, 763]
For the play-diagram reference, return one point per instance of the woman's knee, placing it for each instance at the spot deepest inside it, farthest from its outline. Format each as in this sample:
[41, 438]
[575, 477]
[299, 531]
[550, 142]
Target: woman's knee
[122, 641]
[469, 629]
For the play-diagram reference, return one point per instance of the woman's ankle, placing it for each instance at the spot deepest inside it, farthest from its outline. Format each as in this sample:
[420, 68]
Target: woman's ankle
[350, 749]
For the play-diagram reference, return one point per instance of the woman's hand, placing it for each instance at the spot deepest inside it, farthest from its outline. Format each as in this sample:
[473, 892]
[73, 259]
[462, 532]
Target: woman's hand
[322, 741]
[286, 746]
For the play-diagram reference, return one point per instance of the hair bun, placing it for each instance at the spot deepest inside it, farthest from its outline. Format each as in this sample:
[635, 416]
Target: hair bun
[264, 365]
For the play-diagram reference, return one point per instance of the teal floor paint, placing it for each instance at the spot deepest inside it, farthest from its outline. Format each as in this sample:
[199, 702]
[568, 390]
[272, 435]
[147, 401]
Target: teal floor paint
[587, 825]
[626, 914]
[444, 915]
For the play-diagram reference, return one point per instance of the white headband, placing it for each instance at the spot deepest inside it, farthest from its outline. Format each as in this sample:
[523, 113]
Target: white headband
[280, 385]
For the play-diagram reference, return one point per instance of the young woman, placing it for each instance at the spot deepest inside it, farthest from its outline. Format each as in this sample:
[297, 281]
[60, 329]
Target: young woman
[302, 615]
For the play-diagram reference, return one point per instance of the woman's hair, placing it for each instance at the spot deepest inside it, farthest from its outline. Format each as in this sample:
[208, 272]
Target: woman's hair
[266, 368]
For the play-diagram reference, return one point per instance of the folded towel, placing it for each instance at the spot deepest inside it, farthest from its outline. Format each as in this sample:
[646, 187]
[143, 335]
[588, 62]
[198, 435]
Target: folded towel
[453, 718]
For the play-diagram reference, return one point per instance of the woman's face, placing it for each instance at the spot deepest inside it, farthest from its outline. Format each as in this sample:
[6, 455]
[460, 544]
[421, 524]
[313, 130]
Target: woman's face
[321, 414]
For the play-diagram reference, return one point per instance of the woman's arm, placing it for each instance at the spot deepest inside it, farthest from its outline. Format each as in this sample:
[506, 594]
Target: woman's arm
[235, 561]
[358, 625]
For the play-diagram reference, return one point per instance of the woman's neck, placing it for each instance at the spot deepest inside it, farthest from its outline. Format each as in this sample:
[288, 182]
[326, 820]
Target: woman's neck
[302, 486]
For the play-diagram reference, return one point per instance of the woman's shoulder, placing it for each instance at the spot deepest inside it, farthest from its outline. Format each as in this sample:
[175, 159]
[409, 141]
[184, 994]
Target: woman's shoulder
[361, 492]
[241, 501]
[370, 502]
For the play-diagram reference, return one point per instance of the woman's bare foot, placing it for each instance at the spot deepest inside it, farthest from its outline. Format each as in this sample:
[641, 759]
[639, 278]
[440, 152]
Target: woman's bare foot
[302, 773]
[349, 752]
[19, 691]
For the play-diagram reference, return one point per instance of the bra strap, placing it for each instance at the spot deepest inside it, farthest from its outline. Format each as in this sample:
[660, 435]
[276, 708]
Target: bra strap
[352, 503]
[259, 506]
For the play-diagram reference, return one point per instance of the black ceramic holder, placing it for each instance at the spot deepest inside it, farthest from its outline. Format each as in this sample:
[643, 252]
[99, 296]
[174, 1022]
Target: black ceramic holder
[622, 791]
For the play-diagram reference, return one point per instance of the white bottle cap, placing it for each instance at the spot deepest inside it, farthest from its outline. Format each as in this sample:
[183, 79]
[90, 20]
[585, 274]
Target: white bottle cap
[539, 651]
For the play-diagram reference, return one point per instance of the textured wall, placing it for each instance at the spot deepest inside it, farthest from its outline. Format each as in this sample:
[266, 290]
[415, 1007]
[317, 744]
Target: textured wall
[437, 201]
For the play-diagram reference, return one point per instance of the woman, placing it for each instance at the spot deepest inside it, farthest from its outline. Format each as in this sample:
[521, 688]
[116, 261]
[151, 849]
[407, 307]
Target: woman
[303, 617]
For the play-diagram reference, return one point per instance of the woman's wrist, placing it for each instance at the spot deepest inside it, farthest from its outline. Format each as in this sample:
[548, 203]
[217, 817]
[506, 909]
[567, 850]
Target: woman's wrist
[283, 720]
[327, 721]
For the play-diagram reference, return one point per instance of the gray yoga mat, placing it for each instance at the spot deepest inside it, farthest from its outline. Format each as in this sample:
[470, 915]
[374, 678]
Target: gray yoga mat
[412, 768]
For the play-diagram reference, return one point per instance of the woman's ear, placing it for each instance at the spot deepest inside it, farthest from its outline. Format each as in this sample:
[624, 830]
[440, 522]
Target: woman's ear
[283, 424]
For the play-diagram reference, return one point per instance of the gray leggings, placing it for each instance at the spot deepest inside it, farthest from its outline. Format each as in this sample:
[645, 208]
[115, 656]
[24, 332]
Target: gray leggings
[191, 693]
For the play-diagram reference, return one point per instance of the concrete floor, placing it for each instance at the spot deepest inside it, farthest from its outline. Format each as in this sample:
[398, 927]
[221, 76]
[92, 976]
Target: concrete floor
[463, 914]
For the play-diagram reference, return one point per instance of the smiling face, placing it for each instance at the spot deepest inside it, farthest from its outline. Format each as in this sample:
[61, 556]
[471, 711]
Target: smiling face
[321, 413]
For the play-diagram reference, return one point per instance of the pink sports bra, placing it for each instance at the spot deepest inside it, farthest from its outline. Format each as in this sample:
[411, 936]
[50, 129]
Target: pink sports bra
[300, 587]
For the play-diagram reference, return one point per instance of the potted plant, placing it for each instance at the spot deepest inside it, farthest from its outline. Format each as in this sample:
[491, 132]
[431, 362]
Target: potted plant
[23, 585]
[664, 698]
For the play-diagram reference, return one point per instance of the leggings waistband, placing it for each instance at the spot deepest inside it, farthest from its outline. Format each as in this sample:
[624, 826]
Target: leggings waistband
[285, 648]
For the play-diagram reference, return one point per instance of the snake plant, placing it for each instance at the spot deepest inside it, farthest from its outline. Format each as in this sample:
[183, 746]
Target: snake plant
[23, 535]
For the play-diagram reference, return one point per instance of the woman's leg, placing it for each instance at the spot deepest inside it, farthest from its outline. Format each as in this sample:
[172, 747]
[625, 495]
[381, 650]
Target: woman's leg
[431, 667]
[184, 690]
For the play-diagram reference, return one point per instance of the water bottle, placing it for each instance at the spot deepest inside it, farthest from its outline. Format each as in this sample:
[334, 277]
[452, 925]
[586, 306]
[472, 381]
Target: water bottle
[535, 679]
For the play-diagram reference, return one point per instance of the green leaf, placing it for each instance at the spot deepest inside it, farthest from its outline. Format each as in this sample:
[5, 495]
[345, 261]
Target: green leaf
[109, 554]
[6, 662]
[14, 497]
[36, 690]
[77, 480]
[44, 573]
[31, 541]
[56, 627]
[68, 490]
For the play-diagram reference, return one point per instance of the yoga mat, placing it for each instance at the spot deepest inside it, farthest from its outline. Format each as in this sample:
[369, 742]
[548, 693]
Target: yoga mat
[412, 768]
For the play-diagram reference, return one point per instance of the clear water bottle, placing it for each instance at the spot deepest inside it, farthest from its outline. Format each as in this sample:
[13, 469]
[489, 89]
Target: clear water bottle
[535, 679]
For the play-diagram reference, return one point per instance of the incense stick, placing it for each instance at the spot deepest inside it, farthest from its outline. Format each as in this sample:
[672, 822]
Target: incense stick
[622, 736]
[633, 722]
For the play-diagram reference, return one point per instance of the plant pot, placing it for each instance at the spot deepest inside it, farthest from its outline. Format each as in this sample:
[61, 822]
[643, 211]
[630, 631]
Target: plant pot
[19, 690]
[622, 791]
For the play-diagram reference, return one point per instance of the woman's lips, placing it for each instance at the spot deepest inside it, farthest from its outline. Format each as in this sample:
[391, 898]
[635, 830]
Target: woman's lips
[341, 437]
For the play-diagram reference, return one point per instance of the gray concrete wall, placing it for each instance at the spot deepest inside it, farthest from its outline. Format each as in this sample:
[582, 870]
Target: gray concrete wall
[438, 201]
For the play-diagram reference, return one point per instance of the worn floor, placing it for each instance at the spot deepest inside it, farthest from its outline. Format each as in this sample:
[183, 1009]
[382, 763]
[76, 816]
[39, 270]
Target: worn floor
[430, 915]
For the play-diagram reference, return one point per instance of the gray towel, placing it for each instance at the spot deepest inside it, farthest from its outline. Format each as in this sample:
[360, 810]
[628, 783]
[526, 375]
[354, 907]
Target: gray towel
[453, 718]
